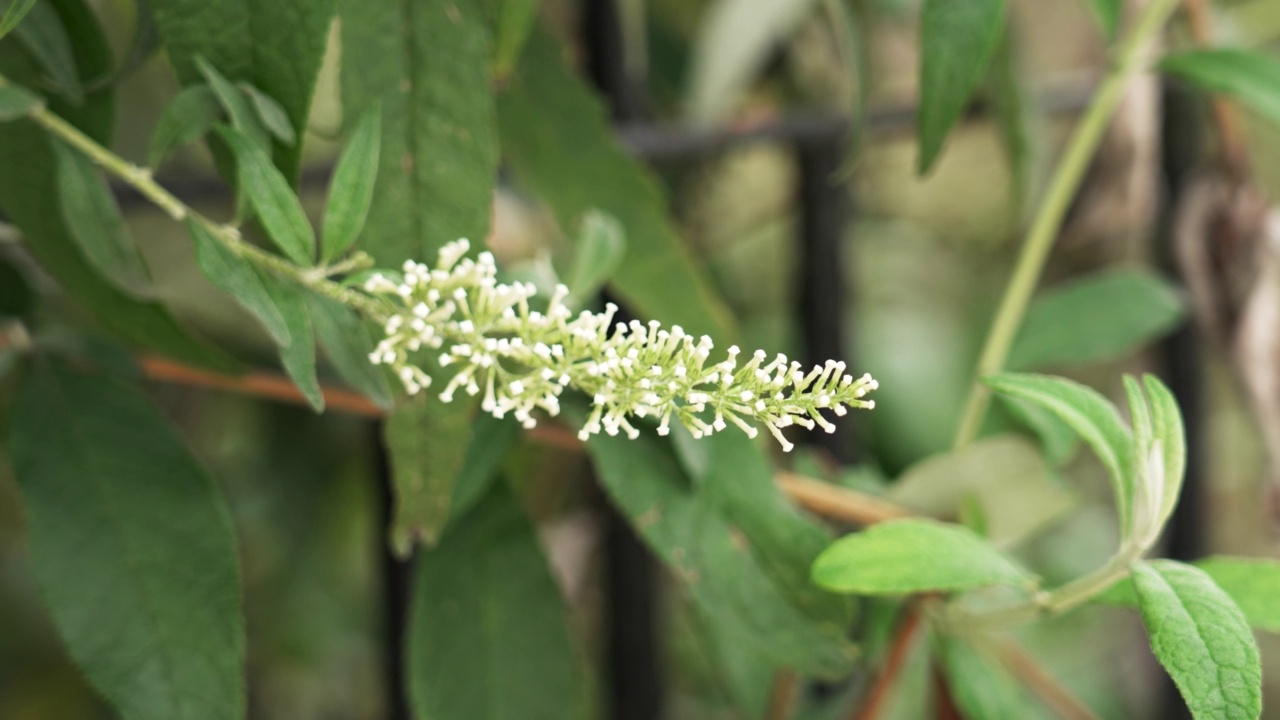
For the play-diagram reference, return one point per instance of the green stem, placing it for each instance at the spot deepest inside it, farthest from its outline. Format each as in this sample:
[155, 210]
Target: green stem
[1130, 60]
[140, 179]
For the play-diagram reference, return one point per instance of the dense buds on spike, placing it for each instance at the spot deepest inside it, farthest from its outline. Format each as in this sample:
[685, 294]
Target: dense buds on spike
[523, 359]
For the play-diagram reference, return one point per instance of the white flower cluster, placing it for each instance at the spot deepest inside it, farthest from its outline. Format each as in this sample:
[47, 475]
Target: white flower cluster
[523, 359]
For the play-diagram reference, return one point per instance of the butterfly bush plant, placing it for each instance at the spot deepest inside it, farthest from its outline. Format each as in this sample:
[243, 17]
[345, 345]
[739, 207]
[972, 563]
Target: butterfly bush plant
[132, 544]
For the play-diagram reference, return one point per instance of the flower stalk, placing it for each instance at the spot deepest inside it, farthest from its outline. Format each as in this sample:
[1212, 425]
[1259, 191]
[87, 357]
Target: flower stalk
[493, 340]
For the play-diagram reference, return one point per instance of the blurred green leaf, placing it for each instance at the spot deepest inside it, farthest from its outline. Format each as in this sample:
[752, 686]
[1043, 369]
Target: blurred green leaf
[982, 688]
[270, 113]
[277, 206]
[488, 637]
[189, 116]
[14, 12]
[1201, 638]
[30, 200]
[132, 546]
[351, 191]
[957, 41]
[236, 277]
[347, 343]
[424, 467]
[1253, 583]
[427, 65]
[491, 441]
[1108, 13]
[900, 557]
[1057, 440]
[49, 42]
[1100, 317]
[511, 27]
[1005, 475]
[299, 356]
[275, 46]
[238, 107]
[95, 224]
[735, 40]
[728, 572]
[1248, 76]
[16, 102]
[1090, 414]
[597, 253]
[545, 104]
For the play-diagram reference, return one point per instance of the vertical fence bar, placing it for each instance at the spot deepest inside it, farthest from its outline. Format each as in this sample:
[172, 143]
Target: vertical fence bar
[825, 210]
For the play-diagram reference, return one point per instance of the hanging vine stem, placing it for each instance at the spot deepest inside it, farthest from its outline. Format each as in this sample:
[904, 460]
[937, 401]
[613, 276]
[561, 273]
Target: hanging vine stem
[1129, 61]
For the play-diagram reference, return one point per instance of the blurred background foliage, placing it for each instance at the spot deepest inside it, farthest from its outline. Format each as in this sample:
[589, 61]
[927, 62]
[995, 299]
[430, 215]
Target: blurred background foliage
[926, 257]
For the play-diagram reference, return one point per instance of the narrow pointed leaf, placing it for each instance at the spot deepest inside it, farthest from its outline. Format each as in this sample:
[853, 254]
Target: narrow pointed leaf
[236, 277]
[270, 114]
[957, 42]
[46, 38]
[1099, 317]
[351, 191]
[299, 356]
[1167, 428]
[488, 637]
[13, 14]
[491, 441]
[1246, 75]
[16, 102]
[347, 343]
[276, 46]
[132, 546]
[189, 116]
[93, 218]
[277, 206]
[900, 557]
[1201, 638]
[1093, 418]
[237, 106]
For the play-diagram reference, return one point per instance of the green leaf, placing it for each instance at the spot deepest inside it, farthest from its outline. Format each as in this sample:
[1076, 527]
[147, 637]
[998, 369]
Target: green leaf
[597, 253]
[242, 281]
[545, 104]
[899, 557]
[1101, 317]
[727, 569]
[1057, 440]
[351, 192]
[93, 219]
[514, 21]
[299, 356]
[1250, 77]
[31, 202]
[1167, 428]
[47, 39]
[237, 106]
[189, 116]
[491, 441]
[16, 102]
[983, 689]
[13, 14]
[1253, 583]
[957, 41]
[277, 206]
[1093, 418]
[132, 546]
[1202, 640]
[275, 46]
[270, 113]
[488, 637]
[347, 343]
[1108, 13]
[423, 468]
[735, 40]
[427, 65]
[1005, 475]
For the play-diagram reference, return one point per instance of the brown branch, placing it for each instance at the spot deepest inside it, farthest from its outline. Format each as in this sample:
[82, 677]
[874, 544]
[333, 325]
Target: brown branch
[1235, 156]
[903, 640]
[838, 503]
[1038, 680]
[782, 697]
